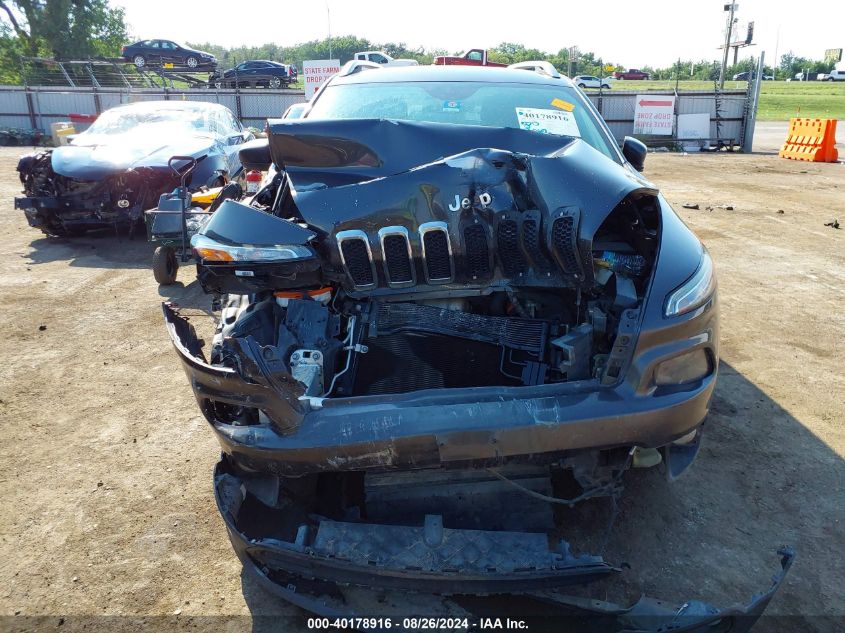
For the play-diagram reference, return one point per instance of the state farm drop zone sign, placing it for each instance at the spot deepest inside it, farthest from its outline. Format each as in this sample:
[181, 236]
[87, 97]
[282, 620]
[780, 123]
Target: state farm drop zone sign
[316, 72]
[654, 115]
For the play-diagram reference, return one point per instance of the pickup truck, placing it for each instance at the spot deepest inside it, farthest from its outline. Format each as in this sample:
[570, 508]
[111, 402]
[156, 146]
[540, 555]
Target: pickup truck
[631, 73]
[473, 57]
[380, 57]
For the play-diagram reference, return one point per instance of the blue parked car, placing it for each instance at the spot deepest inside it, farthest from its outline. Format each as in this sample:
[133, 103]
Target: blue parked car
[255, 73]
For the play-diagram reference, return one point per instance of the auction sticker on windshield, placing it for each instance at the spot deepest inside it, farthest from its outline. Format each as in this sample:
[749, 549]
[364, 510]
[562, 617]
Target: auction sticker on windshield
[548, 121]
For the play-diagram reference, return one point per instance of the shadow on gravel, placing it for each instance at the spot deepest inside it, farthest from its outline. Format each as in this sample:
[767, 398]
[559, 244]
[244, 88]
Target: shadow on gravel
[188, 296]
[762, 480]
[270, 612]
[101, 249]
[105, 250]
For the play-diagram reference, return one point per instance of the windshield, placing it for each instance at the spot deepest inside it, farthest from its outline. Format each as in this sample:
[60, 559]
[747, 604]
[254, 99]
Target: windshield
[546, 109]
[152, 119]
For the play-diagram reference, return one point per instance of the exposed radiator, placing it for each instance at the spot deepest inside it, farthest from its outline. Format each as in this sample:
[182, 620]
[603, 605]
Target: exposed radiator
[410, 361]
[523, 334]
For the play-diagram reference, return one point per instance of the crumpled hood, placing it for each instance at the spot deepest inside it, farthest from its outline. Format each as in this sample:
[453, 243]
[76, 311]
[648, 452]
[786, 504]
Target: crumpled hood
[94, 157]
[366, 173]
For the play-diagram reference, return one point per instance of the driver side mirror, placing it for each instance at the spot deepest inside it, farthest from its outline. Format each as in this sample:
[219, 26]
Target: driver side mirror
[634, 152]
[243, 137]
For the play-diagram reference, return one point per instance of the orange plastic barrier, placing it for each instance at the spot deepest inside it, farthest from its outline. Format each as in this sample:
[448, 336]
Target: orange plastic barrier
[812, 140]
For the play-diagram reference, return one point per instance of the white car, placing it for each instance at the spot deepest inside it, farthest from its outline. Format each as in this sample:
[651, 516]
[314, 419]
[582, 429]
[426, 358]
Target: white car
[588, 81]
[380, 57]
[837, 74]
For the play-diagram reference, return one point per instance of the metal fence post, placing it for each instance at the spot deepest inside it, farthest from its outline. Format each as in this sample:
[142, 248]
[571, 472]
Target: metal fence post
[751, 111]
[238, 101]
[676, 108]
[30, 107]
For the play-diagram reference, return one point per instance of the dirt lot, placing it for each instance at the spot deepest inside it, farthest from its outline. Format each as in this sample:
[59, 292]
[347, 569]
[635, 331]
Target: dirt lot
[105, 461]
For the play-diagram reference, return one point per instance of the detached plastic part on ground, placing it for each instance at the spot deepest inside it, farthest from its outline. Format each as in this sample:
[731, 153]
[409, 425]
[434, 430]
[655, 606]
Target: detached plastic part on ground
[349, 569]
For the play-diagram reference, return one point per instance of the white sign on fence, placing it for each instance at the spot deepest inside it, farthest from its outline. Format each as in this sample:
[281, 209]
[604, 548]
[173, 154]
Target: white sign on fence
[654, 114]
[316, 71]
[694, 126]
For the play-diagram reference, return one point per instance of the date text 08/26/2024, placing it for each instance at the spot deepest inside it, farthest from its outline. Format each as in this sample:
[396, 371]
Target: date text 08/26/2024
[416, 623]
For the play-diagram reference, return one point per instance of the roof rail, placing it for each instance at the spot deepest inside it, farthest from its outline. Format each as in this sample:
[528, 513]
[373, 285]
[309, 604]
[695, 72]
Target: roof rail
[356, 66]
[539, 66]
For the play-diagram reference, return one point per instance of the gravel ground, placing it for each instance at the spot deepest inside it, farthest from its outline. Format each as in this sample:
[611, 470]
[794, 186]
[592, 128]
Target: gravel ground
[105, 461]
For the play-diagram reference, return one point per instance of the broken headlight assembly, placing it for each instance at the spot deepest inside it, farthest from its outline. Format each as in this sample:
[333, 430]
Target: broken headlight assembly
[210, 250]
[243, 250]
[694, 292]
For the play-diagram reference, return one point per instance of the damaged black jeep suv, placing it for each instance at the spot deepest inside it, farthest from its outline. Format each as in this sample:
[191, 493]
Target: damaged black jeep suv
[454, 299]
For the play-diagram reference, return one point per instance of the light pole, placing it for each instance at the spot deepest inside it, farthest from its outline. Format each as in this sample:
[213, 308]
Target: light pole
[329, 22]
[728, 7]
[775, 59]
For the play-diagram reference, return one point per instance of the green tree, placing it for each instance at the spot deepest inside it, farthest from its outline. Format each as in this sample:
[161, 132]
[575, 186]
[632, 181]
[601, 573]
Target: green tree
[65, 29]
[11, 51]
[511, 53]
[791, 64]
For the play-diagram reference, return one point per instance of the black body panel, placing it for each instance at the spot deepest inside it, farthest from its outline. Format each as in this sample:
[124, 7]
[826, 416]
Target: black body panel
[375, 190]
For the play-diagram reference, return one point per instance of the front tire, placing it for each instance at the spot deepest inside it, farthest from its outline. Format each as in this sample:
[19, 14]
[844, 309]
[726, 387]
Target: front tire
[139, 61]
[275, 82]
[605, 87]
[165, 265]
[830, 79]
[582, 86]
[192, 62]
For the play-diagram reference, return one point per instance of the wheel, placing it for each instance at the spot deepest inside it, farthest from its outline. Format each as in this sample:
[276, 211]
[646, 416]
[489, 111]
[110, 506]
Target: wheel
[139, 61]
[830, 79]
[165, 265]
[218, 84]
[581, 86]
[192, 62]
[605, 87]
[275, 82]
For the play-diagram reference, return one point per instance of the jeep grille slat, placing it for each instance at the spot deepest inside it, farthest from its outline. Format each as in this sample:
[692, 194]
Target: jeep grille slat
[437, 252]
[564, 237]
[477, 255]
[357, 258]
[513, 261]
[531, 242]
[398, 260]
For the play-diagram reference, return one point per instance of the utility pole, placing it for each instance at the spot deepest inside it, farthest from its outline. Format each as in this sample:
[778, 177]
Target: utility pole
[751, 114]
[775, 63]
[728, 31]
[677, 75]
[329, 21]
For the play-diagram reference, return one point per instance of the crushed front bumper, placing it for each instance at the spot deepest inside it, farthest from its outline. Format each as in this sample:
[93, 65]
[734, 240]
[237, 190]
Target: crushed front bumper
[51, 212]
[429, 428]
[428, 558]
[463, 573]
